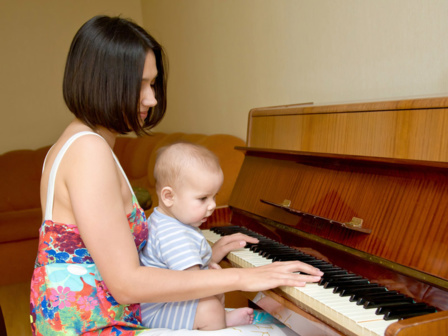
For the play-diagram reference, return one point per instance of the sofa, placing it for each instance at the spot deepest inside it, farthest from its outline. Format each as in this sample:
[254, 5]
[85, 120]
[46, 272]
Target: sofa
[20, 213]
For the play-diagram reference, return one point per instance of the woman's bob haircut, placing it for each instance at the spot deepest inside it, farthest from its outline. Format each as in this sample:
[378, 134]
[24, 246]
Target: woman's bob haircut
[103, 75]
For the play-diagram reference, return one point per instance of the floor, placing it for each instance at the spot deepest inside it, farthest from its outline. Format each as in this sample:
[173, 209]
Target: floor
[15, 303]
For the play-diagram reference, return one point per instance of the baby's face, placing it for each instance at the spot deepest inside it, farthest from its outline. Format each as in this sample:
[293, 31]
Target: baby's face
[194, 199]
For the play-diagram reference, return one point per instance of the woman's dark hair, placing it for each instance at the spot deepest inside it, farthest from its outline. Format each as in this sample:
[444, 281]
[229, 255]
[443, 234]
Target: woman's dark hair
[103, 75]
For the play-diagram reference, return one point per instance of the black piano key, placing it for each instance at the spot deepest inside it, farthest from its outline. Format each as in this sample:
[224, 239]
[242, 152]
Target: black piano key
[264, 252]
[360, 291]
[411, 306]
[362, 298]
[273, 246]
[381, 298]
[384, 302]
[304, 260]
[335, 270]
[326, 269]
[332, 284]
[403, 315]
[341, 276]
[228, 230]
[278, 251]
[279, 255]
[290, 257]
[338, 277]
[270, 244]
[322, 264]
[293, 255]
[346, 290]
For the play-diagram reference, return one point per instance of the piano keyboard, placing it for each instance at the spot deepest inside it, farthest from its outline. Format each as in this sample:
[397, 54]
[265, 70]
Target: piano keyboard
[346, 301]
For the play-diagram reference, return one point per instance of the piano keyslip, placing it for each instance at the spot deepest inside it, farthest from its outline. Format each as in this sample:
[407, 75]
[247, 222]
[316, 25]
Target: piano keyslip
[325, 299]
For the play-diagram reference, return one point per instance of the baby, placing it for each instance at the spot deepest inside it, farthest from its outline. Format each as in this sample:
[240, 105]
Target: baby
[188, 177]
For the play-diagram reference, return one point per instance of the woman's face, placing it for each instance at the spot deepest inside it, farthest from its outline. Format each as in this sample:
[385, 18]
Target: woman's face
[147, 94]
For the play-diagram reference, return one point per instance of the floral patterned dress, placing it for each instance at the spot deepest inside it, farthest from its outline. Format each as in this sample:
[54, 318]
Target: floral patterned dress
[68, 295]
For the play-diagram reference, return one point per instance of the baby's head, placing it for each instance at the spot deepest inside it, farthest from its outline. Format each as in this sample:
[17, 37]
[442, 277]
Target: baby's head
[188, 177]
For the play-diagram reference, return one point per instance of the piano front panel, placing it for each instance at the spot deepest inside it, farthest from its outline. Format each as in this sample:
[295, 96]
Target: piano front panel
[405, 207]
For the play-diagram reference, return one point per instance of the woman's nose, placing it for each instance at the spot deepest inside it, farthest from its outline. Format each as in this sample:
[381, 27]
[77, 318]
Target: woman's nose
[149, 98]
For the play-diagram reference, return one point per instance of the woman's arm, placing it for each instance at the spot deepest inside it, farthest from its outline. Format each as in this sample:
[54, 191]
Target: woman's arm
[99, 199]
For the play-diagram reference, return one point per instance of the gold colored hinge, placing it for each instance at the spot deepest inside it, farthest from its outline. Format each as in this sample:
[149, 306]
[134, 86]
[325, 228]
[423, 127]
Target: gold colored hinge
[355, 222]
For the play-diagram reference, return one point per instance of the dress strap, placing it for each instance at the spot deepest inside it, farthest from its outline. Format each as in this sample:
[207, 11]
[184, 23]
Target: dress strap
[54, 169]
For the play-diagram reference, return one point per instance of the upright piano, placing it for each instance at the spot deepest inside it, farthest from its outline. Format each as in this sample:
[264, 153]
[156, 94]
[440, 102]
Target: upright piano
[359, 190]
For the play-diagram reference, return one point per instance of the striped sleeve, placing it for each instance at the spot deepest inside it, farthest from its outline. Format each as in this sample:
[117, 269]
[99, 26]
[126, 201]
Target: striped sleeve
[174, 245]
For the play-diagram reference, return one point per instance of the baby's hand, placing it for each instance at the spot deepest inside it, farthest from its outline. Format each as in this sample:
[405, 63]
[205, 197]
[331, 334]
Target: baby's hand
[229, 243]
[213, 265]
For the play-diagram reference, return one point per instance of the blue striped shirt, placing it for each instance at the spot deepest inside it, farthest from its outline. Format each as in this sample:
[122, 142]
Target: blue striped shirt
[177, 246]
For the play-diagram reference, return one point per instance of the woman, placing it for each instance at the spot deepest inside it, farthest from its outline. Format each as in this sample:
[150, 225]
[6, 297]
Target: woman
[88, 279]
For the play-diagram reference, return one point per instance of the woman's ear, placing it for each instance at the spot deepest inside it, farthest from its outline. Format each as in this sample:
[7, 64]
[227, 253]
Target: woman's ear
[167, 196]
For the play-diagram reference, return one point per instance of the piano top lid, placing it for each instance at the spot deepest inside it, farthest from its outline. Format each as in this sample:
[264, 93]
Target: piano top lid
[414, 129]
[352, 107]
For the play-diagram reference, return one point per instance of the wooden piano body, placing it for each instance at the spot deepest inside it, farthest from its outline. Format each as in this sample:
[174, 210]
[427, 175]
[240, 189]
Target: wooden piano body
[363, 185]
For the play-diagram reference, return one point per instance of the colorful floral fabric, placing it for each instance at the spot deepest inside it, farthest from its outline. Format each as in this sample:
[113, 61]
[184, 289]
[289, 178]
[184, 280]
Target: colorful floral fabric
[68, 295]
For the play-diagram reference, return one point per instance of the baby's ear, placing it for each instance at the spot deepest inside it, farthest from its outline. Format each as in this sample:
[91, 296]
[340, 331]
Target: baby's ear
[167, 196]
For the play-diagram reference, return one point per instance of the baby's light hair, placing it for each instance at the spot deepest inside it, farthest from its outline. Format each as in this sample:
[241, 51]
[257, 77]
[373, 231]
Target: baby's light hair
[174, 158]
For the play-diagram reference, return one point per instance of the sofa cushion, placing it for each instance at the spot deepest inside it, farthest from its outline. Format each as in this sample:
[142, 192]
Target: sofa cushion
[20, 181]
[134, 153]
[230, 159]
[20, 225]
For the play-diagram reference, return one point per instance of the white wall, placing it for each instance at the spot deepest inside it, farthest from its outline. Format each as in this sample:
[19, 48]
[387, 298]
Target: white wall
[229, 56]
[34, 40]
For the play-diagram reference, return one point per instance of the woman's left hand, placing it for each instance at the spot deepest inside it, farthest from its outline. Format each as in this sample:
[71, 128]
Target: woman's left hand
[229, 243]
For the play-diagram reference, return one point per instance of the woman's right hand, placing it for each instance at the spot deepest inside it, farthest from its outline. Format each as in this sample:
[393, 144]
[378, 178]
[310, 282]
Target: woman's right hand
[278, 274]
